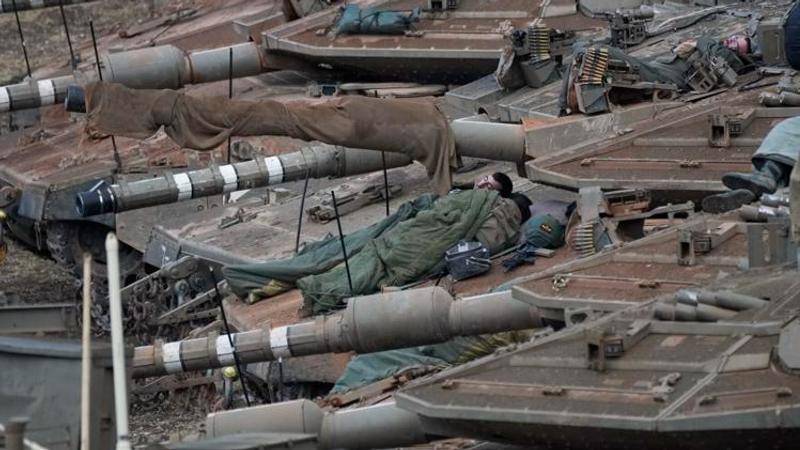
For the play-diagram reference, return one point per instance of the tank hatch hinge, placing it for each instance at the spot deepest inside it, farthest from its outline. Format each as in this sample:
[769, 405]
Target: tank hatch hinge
[603, 344]
[727, 124]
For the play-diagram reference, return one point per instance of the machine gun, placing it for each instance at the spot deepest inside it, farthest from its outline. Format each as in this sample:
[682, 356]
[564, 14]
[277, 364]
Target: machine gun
[598, 73]
[534, 56]
[628, 27]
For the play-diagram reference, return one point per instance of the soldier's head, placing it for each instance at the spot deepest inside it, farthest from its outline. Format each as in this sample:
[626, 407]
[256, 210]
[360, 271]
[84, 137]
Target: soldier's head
[524, 205]
[738, 44]
[497, 181]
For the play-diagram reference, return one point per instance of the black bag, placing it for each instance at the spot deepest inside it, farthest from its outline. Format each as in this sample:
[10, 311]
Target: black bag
[467, 259]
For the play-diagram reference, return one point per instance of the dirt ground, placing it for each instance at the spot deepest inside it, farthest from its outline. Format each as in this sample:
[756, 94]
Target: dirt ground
[45, 38]
[27, 277]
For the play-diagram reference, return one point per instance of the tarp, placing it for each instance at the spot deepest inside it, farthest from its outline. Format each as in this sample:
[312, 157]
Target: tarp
[355, 20]
[273, 277]
[414, 127]
[366, 369]
[403, 254]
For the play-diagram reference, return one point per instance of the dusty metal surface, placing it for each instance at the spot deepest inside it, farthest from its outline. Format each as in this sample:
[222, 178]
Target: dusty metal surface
[56, 317]
[40, 379]
[456, 45]
[642, 270]
[669, 382]
[670, 152]
[702, 251]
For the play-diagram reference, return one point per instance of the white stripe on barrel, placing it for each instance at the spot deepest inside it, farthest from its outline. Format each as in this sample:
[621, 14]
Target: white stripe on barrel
[274, 170]
[279, 342]
[47, 92]
[184, 185]
[225, 351]
[5, 100]
[172, 357]
[231, 178]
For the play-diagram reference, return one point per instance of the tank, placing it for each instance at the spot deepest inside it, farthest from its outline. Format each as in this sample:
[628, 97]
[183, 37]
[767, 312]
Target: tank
[40, 192]
[221, 231]
[640, 360]
[709, 260]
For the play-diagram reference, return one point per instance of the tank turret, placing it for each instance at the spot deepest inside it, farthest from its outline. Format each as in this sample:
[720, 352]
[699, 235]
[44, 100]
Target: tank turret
[427, 52]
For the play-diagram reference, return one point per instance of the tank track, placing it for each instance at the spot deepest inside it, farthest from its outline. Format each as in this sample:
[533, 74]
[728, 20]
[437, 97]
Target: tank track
[66, 242]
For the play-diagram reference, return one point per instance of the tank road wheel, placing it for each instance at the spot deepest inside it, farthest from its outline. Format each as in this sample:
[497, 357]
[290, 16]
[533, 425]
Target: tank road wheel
[67, 241]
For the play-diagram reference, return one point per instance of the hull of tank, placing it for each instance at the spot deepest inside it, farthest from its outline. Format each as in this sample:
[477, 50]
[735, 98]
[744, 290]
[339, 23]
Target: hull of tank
[455, 46]
[669, 154]
[696, 385]
[655, 266]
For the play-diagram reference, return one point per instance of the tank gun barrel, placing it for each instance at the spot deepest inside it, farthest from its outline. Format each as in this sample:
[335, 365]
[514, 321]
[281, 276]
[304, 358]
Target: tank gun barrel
[497, 141]
[318, 161]
[168, 67]
[7, 6]
[368, 324]
[722, 299]
[383, 425]
[33, 94]
[162, 67]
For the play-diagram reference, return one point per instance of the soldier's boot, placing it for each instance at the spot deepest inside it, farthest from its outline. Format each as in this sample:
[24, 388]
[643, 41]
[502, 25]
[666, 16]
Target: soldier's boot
[765, 180]
[727, 201]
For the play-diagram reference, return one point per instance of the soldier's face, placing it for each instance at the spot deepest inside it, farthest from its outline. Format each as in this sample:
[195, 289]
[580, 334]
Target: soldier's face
[487, 182]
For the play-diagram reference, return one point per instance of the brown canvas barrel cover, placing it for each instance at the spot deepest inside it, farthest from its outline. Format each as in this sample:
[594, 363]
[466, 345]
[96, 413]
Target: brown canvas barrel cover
[414, 127]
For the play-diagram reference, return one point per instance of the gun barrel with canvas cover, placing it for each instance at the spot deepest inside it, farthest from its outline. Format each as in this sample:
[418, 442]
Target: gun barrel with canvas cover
[405, 129]
[161, 67]
[368, 324]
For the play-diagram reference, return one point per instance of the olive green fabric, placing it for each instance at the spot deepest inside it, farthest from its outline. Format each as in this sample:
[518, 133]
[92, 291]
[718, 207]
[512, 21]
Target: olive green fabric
[502, 226]
[403, 254]
[270, 278]
[366, 369]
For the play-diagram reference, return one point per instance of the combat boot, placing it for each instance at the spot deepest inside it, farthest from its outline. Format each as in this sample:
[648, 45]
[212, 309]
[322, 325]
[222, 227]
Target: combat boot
[727, 201]
[762, 181]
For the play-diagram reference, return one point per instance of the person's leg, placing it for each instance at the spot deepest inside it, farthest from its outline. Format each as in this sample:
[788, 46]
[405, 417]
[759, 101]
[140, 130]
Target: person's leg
[767, 176]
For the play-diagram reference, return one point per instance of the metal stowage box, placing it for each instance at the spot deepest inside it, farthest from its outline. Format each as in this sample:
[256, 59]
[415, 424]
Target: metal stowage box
[770, 38]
